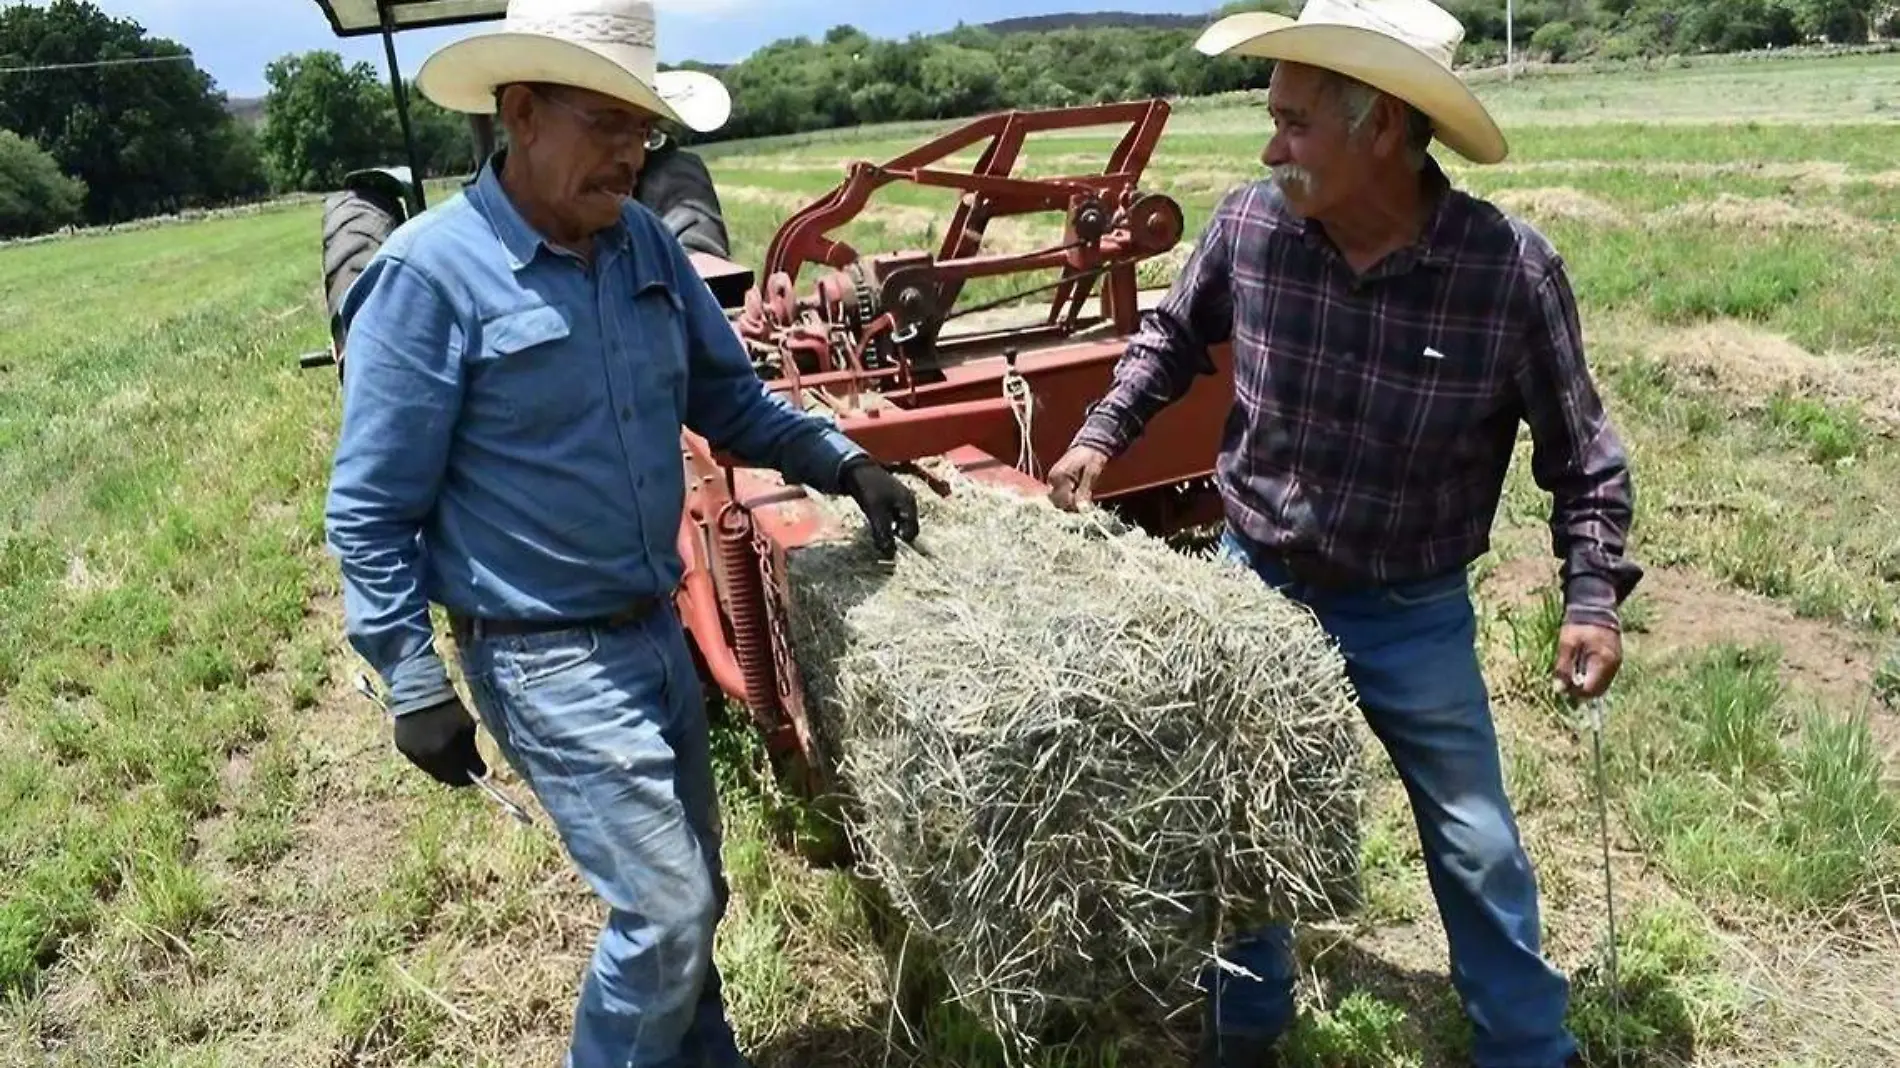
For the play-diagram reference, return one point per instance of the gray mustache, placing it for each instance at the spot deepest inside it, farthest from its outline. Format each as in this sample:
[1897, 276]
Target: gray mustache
[1287, 174]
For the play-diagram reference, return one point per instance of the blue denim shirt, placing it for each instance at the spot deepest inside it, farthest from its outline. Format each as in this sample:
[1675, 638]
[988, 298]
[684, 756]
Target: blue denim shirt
[511, 421]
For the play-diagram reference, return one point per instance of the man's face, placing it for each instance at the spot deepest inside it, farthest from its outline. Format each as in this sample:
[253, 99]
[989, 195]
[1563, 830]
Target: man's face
[1316, 161]
[584, 150]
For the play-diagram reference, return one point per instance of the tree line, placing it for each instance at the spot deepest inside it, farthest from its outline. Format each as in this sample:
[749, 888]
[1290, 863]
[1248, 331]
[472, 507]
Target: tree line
[846, 77]
[111, 124]
[104, 144]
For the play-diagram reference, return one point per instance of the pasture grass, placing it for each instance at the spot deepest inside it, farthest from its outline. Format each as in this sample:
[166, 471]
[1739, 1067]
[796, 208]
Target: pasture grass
[1746, 789]
[209, 855]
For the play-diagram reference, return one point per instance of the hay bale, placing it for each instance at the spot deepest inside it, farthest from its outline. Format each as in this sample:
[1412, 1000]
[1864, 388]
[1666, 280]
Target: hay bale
[1076, 759]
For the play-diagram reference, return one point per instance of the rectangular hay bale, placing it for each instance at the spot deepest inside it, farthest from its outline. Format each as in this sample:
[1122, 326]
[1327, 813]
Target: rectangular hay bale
[1076, 759]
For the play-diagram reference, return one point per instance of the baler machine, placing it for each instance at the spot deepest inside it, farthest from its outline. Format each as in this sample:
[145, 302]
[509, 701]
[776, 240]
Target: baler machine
[879, 344]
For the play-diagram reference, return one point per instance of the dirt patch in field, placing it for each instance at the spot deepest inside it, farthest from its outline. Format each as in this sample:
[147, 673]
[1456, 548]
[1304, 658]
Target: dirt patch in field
[1691, 612]
[1761, 213]
[1559, 203]
[1754, 364]
[1686, 610]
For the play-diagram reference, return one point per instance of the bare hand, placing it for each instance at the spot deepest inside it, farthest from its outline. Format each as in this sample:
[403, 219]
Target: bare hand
[1600, 652]
[1072, 479]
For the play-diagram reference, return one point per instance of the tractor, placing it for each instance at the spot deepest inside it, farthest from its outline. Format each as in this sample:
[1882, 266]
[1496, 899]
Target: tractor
[373, 201]
[882, 343]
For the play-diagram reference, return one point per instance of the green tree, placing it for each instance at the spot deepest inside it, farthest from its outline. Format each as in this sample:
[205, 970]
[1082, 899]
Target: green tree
[34, 196]
[959, 80]
[1841, 21]
[142, 137]
[1557, 40]
[323, 120]
[445, 144]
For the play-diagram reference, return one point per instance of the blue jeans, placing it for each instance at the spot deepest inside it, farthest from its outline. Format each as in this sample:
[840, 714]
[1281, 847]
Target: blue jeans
[609, 729]
[1411, 653]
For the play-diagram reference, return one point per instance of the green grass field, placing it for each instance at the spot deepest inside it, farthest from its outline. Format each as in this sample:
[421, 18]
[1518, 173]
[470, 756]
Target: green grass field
[210, 854]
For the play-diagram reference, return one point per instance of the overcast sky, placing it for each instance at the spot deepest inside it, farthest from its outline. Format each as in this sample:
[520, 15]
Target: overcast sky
[234, 39]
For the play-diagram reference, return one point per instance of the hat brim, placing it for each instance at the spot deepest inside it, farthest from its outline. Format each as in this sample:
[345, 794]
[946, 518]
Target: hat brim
[463, 75]
[1459, 119]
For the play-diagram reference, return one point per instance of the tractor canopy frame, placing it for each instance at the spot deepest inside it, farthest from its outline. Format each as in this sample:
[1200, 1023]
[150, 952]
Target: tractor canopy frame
[386, 18]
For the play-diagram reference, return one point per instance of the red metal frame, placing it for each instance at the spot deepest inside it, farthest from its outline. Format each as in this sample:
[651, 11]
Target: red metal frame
[989, 192]
[742, 524]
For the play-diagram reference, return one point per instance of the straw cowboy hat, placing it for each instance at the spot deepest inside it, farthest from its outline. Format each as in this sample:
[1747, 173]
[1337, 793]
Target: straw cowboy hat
[603, 45]
[1402, 47]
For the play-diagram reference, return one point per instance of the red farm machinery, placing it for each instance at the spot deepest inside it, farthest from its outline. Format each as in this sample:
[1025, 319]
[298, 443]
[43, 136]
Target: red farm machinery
[885, 343]
[879, 343]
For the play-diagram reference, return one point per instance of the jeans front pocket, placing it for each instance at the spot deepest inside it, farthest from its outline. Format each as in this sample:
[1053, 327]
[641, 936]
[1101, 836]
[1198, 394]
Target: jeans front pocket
[530, 658]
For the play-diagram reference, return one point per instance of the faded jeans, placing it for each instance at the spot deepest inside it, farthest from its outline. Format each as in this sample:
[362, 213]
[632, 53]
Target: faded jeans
[1411, 654]
[609, 730]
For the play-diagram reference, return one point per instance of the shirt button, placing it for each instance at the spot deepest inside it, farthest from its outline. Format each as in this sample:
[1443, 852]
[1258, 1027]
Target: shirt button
[626, 414]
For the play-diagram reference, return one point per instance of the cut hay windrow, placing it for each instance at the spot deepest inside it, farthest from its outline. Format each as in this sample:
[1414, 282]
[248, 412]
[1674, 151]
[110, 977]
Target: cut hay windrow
[1074, 758]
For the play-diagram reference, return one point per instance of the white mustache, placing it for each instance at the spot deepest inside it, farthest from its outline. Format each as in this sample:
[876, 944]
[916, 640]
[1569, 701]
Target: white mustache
[1286, 174]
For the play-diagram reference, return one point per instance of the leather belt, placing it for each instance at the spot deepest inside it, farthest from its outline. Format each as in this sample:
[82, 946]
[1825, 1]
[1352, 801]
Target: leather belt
[467, 628]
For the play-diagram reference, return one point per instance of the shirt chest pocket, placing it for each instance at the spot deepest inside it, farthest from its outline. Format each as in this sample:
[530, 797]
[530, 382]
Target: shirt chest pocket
[531, 371]
[655, 349]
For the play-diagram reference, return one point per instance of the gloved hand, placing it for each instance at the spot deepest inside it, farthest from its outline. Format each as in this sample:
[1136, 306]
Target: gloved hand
[440, 740]
[889, 507]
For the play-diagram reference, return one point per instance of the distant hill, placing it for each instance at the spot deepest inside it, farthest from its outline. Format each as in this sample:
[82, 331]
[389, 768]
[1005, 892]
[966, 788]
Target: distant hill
[246, 109]
[1096, 20]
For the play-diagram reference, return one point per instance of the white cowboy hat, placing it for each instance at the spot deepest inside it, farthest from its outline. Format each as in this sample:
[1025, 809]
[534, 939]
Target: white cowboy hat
[1402, 47]
[603, 45]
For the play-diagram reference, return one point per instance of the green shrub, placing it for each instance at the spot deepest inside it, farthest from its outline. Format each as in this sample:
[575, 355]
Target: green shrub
[1557, 40]
[35, 197]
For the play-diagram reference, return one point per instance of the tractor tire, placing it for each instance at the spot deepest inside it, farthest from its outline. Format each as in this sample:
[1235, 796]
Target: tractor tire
[354, 228]
[677, 187]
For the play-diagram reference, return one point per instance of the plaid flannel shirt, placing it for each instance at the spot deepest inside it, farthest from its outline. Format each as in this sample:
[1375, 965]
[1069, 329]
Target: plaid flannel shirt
[1375, 416]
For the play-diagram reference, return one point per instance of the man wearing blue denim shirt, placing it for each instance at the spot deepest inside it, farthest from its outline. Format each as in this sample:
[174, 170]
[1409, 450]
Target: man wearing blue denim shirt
[521, 361]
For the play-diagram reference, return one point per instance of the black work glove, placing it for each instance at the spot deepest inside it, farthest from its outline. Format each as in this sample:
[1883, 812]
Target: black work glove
[440, 740]
[889, 508]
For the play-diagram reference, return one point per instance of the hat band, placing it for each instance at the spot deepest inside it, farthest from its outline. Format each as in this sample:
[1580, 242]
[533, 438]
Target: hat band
[600, 28]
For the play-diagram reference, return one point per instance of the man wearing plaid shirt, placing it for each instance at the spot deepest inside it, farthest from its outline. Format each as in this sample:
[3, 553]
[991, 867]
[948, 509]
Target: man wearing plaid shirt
[1388, 334]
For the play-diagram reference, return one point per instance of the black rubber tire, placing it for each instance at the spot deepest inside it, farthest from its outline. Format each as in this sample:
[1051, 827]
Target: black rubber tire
[354, 227]
[675, 184]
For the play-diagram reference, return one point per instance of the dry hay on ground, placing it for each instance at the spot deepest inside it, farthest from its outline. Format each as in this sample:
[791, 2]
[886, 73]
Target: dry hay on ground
[1822, 173]
[1559, 203]
[1076, 759]
[1755, 364]
[1761, 213]
[780, 199]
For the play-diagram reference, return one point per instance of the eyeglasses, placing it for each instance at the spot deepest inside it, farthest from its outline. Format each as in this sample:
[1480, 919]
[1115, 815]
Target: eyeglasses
[618, 130]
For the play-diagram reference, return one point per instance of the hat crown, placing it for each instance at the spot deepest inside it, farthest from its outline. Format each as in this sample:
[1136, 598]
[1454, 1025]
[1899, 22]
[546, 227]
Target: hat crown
[1419, 23]
[621, 24]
